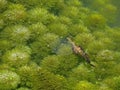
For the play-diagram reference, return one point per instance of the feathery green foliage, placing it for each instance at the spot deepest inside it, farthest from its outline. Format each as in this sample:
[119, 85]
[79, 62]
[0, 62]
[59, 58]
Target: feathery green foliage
[8, 80]
[35, 53]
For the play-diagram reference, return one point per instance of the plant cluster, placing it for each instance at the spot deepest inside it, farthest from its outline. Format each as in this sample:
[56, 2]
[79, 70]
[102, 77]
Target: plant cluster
[35, 54]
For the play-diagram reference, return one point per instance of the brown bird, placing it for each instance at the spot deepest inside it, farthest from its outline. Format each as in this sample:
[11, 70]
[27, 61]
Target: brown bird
[79, 51]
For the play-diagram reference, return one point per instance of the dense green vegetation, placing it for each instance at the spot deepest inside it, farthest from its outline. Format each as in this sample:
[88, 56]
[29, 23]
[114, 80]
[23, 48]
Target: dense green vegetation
[35, 54]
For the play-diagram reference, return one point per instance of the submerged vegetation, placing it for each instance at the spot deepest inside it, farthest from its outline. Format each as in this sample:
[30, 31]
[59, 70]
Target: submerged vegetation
[35, 54]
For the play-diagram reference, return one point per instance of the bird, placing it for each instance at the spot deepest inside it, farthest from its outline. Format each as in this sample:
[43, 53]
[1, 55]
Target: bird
[80, 51]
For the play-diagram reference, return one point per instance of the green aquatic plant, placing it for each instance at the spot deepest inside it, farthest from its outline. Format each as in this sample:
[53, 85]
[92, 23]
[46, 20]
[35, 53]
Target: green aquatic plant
[37, 30]
[1, 22]
[84, 39]
[3, 5]
[85, 85]
[36, 55]
[114, 82]
[65, 20]
[16, 57]
[67, 63]
[18, 34]
[54, 6]
[15, 13]
[103, 87]
[96, 21]
[40, 15]
[76, 3]
[105, 60]
[105, 55]
[73, 13]
[107, 8]
[50, 63]
[45, 80]
[26, 73]
[23, 88]
[28, 4]
[82, 73]
[64, 49]
[75, 29]
[59, 64]
[111, 12]
[8, 80]
[5, 45]
[58, 29]
[45, 46]
[114, 34]
[95, 46]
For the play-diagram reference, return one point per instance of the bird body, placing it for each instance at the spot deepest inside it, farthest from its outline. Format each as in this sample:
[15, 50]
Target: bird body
[76, 49]
[79, 51]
